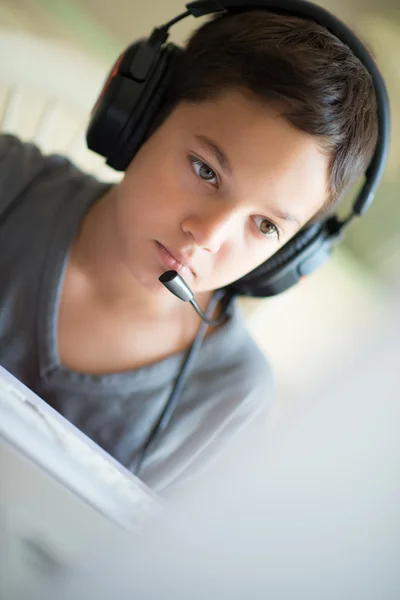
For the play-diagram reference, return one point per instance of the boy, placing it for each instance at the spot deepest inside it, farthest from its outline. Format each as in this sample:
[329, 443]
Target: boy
[254, 142]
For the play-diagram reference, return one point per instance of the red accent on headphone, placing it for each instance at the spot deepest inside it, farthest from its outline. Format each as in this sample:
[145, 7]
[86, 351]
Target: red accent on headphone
[113, 73]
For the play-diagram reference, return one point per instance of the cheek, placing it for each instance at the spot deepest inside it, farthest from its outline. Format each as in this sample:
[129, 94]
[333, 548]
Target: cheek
[257, 258]
[144, 199]
[237, 261]
[160, 195]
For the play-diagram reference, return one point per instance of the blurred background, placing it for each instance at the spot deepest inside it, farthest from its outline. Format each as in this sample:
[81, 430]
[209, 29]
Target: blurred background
[55, 55]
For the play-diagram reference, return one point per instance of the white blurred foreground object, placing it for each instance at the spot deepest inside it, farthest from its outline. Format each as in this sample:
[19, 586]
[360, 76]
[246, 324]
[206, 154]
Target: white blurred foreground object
[61, 498]
[314, 515]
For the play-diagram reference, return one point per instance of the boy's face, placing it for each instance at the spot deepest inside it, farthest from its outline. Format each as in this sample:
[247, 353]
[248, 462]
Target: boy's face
[222, 185]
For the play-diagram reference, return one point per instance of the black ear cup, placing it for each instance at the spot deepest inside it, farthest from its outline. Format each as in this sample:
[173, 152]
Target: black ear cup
[147, 110]
[304, 253]
[130, 102]
[290, 250]
[111, 110]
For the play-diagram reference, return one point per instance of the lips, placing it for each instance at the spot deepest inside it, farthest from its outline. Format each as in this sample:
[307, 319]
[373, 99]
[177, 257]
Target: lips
[174, 259]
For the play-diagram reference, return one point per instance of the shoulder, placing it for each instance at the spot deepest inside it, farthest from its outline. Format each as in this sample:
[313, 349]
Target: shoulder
[234, 362]
[239, 379]
[229, 392]
[21, 163]
[234, 381]
[30, 177]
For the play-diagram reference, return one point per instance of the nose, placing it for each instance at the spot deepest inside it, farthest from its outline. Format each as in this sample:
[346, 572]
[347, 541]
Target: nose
[210, 230]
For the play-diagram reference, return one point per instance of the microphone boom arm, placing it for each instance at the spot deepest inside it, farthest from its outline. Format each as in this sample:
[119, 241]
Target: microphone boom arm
[178, 286]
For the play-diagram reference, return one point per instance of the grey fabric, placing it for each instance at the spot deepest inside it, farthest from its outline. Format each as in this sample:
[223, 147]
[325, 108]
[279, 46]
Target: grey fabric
[42, 203]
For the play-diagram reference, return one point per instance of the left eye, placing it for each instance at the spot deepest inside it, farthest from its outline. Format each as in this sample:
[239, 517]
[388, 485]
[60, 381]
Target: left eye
[203, 171]
[266, 227]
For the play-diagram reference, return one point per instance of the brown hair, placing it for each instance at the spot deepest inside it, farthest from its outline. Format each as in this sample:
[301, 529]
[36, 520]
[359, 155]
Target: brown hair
[322, 87]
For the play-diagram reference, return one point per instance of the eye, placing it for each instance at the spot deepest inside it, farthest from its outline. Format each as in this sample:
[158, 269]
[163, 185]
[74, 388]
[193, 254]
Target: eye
[204, 171]
[266, 227]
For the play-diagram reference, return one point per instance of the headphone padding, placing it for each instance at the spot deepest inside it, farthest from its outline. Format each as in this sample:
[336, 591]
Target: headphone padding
[146, 111]
[255, 283]
[292, 249]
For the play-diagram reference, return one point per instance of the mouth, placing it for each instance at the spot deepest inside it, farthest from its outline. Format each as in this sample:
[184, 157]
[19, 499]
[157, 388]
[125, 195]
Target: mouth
[174, 260]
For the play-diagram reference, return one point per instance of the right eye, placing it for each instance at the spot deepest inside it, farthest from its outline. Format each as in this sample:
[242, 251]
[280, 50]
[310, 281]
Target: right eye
[204, 171]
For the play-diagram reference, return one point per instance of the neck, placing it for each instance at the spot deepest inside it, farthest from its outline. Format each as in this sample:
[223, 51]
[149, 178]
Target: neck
[96, 256]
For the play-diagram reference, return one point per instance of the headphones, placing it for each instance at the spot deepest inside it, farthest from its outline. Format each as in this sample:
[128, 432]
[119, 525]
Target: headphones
[132, 100]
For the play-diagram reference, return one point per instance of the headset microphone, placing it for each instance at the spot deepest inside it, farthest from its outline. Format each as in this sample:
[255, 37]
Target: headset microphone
[178, 286]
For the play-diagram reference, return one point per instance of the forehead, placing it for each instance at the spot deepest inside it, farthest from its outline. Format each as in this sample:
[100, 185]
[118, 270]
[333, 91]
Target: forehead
[267, 158]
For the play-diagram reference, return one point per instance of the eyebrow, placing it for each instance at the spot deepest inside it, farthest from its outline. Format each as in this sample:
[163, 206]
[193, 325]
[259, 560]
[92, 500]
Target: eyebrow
[284, 216]
[216, 151]
[223, 161]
